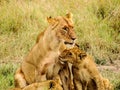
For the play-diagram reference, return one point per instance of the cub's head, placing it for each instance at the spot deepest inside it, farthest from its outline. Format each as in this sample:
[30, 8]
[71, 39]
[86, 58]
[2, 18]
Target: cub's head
[63, 28]
[73, 55]
[55, 85]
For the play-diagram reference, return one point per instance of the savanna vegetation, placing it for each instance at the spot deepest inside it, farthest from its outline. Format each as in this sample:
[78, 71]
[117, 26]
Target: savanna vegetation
[97, 25]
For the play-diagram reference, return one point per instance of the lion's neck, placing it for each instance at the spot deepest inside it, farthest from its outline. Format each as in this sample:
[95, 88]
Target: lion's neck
[50, 41]
[47, 45]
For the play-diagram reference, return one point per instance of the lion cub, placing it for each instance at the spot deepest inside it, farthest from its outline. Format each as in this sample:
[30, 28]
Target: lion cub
[85, 73]
[44, 85]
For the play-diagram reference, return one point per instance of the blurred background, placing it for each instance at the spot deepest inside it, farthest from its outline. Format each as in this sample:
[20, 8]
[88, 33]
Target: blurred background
[96, 23]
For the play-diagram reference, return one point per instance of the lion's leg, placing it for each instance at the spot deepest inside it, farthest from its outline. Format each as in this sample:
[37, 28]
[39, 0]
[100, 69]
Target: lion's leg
[99, 83]
[52, 72]
[86, 84]
[64, 80]
[107, 84]
[20, 81]
[77, 85]
[65, 77]
[30, 72]
[53, 75]
[91, 85]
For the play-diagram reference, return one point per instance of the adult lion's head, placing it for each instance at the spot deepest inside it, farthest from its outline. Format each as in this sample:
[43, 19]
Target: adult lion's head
[63, 29]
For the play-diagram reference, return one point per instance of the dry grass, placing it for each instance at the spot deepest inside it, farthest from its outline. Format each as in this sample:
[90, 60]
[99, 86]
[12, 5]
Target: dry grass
[97, 25]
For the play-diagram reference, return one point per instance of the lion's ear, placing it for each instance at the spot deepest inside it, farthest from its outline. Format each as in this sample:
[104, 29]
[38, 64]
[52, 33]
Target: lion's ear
[82, 55]
[51, 20]
[69, 16]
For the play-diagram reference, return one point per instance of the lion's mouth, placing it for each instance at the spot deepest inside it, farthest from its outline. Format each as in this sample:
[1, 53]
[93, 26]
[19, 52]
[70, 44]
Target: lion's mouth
[71, 43]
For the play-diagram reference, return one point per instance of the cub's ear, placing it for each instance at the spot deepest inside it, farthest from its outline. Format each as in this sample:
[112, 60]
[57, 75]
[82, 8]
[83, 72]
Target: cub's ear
[82, 55]
[52, 84]
[51, 20]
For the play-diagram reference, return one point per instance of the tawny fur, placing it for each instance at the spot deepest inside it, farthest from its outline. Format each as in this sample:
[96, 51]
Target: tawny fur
[45, 85]
[61, 71]
[85, 73]
[107, 84]
[44, 54]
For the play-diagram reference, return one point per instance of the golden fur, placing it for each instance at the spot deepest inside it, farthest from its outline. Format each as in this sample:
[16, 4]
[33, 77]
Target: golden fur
[61, 71]
[85, 73]
[41, 59]
[45, 85]
[107, 84]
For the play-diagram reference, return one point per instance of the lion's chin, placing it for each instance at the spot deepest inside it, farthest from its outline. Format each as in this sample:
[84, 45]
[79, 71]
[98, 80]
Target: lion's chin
[68, 46]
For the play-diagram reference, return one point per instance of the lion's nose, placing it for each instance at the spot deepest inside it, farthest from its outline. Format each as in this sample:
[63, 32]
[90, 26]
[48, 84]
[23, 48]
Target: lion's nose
[73, 38]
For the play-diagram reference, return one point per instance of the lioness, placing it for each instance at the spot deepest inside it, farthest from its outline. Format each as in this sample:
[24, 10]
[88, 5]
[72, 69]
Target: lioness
[85, 73]
[58, 36]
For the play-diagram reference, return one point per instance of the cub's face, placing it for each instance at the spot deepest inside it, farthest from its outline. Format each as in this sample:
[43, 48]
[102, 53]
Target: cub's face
[73, 55]
[64, 29]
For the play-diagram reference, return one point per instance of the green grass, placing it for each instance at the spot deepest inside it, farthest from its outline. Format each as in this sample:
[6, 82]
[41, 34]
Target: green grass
[97, 25]
[7, 75]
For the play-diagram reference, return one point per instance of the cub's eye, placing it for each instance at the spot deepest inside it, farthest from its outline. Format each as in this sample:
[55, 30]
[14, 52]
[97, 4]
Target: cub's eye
[65, 28]
[69, 53]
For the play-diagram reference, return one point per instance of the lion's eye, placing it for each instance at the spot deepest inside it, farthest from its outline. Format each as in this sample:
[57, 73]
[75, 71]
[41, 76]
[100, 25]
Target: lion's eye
[65, 28]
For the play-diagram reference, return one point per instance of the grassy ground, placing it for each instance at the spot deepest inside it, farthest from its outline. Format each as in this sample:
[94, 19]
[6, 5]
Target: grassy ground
[97, 25]
[7, 71]
[6, 76]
